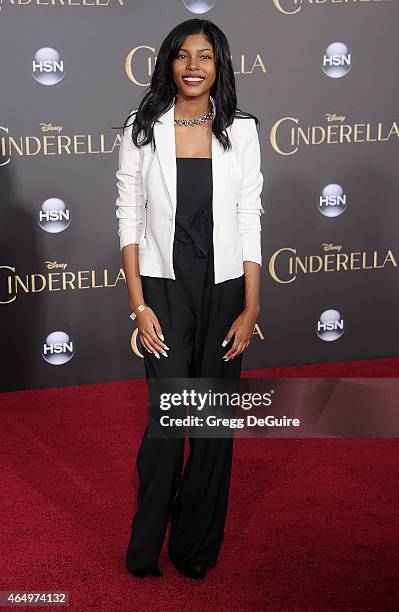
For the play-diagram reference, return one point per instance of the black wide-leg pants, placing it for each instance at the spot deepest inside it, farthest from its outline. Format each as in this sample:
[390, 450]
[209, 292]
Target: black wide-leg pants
[194, 326]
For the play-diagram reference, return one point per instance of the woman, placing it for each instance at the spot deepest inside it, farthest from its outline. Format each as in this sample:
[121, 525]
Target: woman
[188, 209]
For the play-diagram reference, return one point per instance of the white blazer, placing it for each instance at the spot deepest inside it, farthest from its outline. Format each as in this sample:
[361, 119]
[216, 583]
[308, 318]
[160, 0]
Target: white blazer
[146, 202]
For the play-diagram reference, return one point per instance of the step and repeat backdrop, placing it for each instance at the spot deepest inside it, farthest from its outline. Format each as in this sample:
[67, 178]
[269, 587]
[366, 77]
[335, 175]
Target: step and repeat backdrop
[322, 78]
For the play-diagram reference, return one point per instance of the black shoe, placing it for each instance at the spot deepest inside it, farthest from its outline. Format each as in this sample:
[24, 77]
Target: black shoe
[196, 570]
[142, 573]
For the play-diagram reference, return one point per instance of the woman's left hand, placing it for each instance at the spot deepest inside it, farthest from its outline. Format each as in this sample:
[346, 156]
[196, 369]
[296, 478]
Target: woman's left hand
[242, 328]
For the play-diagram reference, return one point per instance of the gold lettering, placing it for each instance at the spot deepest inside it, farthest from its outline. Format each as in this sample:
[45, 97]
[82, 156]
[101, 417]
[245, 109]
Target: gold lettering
[68, 283]
[342, 261]
[277, 4]
[53, 277]
[258, 331]
[129, 62]
[272, 266]
[82, 277]
[329, 262]
[332, 134]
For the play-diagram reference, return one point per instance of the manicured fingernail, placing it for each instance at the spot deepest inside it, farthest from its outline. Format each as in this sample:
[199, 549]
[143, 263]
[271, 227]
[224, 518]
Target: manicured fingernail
[162, 337]
[167, 348]
[224, 342]
[156, 355]
[164, 353]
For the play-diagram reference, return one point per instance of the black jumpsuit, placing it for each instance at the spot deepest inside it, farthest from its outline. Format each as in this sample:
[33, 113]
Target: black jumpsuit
[195, 315]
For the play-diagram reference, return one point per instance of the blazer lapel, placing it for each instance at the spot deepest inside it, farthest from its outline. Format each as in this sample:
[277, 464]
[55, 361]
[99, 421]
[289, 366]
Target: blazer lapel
[164, 134]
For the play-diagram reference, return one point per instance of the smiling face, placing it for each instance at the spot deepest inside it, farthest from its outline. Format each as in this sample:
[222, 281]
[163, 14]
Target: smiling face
[194, 70]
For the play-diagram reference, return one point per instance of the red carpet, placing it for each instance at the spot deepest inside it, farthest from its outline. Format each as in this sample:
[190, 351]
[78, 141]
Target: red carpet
[312, 525]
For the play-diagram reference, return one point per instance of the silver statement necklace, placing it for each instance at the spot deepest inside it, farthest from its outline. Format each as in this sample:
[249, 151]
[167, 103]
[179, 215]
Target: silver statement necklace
[197, 120]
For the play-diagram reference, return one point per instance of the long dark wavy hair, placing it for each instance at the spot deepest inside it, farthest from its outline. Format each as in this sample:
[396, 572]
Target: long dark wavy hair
[162, 90]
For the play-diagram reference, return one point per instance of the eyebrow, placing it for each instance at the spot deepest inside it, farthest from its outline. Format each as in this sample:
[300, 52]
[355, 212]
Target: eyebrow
[183, 49]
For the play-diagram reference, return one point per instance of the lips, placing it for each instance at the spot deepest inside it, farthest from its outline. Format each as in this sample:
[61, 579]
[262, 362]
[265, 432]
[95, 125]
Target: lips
[192, 80]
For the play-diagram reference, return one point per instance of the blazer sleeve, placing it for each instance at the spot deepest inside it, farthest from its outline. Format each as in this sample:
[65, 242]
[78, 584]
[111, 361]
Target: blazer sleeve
[129, 203]
[249, 207]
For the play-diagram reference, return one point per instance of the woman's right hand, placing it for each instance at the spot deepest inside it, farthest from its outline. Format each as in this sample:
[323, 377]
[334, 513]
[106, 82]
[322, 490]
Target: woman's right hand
[150, 332]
